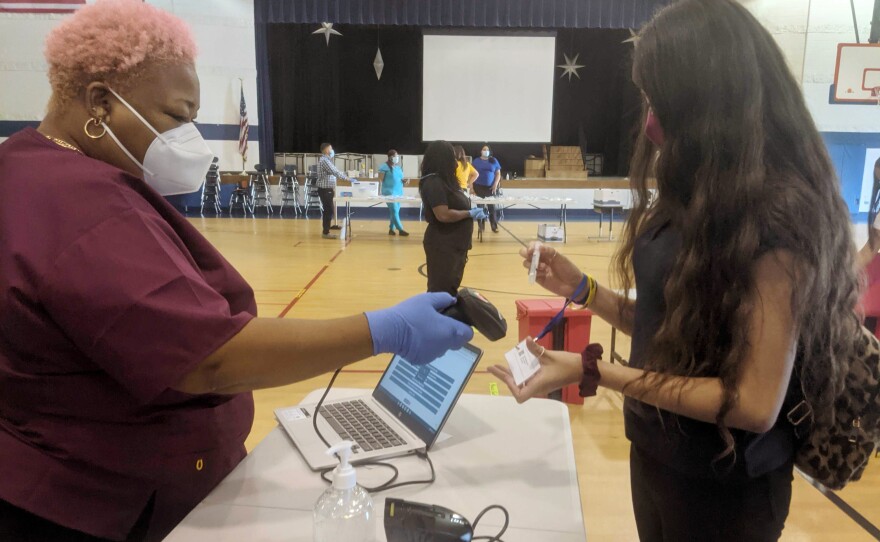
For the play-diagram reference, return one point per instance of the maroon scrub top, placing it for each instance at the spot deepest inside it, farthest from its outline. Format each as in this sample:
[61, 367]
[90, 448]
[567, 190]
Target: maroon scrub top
[108, 297]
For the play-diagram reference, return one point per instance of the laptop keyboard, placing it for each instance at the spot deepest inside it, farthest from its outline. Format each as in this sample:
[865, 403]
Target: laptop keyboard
[355, 421]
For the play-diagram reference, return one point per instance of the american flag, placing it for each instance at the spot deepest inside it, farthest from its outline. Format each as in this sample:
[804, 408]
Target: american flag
[41, 6]
[242, 128]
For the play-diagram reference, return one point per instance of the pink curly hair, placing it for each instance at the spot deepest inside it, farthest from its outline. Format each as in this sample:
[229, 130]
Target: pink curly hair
[113, 41]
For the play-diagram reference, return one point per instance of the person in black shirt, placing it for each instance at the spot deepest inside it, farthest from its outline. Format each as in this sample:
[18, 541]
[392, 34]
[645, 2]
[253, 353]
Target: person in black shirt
[449, 216]
[746, 276]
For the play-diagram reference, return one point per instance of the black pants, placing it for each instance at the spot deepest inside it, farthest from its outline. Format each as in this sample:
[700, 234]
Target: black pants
[670, 506]
[445, 266]
[484, 192]
[326, 195]
[22, 526]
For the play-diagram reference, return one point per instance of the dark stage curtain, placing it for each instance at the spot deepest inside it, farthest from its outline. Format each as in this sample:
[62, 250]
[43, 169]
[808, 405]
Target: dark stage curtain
[313, 93]
[264, 96]
[462, 13]
[603, 105]
[321, 93]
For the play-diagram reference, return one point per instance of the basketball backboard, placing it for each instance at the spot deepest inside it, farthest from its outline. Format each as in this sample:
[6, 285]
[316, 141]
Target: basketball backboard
[857, 74]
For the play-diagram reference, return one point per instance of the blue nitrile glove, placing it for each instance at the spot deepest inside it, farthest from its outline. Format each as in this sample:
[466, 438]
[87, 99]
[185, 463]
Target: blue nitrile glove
[477, 213]
[414, 329]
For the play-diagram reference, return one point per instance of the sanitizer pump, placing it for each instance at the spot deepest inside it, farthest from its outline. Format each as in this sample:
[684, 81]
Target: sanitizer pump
[344, 513]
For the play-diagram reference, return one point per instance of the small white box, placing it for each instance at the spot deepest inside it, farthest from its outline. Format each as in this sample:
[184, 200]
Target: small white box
[550, 232]
[609, 197]
[363, 189]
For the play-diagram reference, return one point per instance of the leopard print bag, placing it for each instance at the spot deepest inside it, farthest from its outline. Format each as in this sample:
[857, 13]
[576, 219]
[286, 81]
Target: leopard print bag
[836, 453]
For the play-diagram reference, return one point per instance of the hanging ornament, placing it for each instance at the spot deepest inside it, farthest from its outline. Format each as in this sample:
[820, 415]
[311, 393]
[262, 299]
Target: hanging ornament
[633, 37]
[570, 67]
[378, 63]
[327, 29]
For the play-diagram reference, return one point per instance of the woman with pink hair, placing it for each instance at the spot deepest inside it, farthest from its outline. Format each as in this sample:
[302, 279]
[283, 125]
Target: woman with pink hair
[128, 345]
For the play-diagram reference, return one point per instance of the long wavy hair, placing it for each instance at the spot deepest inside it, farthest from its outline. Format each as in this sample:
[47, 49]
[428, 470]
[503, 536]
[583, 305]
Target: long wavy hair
[741, 170]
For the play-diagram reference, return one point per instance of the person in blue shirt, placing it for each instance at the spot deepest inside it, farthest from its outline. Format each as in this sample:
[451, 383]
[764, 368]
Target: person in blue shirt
[391, 177]
[486, 185]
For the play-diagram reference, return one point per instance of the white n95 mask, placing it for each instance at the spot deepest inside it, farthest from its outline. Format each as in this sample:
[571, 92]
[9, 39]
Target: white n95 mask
[176, 161]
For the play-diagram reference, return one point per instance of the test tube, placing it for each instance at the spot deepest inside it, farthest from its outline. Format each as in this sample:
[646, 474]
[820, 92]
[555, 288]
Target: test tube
[533, 269]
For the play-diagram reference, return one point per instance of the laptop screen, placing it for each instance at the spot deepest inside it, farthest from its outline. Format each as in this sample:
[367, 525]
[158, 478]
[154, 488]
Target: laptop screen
[422, 396]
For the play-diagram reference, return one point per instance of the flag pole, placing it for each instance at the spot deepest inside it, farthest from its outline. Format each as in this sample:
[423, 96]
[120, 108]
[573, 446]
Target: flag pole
[244, 153]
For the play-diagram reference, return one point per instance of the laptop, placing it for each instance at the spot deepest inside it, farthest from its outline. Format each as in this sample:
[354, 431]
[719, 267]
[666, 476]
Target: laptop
[403, 414]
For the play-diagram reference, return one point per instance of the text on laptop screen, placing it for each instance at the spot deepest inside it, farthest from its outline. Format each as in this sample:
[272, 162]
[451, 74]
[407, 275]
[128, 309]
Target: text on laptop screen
[426, 392]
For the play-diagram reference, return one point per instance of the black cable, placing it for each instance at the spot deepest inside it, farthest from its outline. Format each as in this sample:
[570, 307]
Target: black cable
[497, 537]
[852, 9]
[382, 487]
[318, 408]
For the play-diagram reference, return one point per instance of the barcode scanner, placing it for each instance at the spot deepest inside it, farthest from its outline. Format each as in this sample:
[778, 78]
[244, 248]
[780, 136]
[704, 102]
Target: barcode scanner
[407, 521]
[473, 309]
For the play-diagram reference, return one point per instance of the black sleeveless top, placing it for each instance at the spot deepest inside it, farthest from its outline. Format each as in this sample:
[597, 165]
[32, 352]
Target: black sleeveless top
[685, 444]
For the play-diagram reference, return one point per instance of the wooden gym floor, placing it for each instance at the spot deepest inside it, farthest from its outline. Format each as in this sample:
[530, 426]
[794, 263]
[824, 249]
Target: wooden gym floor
[297, 274]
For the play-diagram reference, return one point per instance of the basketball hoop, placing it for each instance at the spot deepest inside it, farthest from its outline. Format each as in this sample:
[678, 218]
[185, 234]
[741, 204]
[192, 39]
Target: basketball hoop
[875, 93]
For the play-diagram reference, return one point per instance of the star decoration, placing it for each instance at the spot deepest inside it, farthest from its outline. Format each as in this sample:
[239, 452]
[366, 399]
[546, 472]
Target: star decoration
[570, 67]
[327, 29]
[378, 64]
[633, 37]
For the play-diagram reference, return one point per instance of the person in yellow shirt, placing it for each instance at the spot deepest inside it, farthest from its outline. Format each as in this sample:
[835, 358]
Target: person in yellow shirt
[464, 170]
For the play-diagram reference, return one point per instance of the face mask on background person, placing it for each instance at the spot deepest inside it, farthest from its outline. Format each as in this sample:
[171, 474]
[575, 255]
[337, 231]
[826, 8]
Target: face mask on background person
[485, 154]
[395, 159]
[176, 161]
[332, 153]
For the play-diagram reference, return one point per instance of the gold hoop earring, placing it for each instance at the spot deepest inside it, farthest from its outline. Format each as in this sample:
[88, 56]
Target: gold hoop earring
[96, 122]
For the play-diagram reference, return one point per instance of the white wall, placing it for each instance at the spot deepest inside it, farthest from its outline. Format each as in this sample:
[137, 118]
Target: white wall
[786, 20]
[224, 33]
[808, 32]
[830, 24]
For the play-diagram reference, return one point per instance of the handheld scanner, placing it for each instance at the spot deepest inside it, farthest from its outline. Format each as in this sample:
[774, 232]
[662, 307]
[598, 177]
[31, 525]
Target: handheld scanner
[473, 309]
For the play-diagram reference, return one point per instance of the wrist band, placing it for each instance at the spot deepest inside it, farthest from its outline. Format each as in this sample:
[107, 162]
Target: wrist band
[589, 292]
[590, 362]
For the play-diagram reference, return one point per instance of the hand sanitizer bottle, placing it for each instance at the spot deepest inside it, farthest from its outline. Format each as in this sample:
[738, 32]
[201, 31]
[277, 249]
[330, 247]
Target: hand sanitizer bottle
[344, 513]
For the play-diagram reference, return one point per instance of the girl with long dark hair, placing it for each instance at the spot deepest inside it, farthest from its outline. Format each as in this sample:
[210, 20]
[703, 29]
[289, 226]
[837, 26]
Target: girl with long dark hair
[745, 271]
[391, 177]
[449, 216]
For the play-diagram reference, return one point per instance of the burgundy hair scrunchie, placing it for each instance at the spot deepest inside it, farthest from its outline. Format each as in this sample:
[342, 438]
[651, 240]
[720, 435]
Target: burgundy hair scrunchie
[590, 360]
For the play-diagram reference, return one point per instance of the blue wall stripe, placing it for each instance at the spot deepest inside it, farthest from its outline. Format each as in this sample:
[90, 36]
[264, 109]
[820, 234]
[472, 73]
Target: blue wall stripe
[212, 132]
[9, 127]
[847, 151]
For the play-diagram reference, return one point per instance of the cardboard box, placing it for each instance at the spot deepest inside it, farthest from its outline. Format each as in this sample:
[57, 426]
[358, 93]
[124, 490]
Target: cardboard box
[550, 232]
[612, 197]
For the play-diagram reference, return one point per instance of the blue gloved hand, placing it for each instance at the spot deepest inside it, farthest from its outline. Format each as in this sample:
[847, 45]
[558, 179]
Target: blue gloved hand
[415, 330]
[354, 181]
[477, 213]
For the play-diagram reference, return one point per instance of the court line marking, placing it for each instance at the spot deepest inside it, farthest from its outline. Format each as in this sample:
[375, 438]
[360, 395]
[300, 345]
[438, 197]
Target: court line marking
[311, 283]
